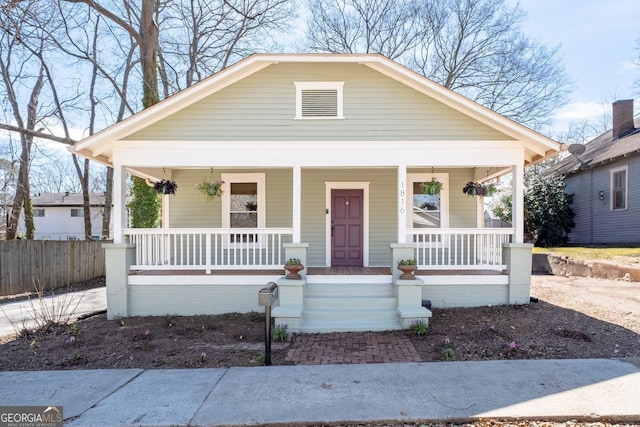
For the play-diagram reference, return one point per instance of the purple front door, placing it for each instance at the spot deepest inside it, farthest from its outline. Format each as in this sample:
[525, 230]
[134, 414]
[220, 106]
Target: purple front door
[346, 227]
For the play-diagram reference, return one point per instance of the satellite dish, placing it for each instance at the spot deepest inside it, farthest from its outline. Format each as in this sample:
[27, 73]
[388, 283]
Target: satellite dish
[577, 148]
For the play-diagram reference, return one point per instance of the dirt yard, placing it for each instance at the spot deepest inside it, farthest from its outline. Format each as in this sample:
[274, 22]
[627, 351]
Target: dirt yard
[573, 318]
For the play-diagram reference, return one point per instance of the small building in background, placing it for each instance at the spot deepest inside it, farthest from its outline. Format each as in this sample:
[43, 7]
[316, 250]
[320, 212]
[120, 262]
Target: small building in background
[60, 216]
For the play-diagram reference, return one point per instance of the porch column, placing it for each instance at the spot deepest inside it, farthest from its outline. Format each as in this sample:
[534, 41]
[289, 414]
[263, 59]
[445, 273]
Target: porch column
[517, 257]
[118, 261]
[297, 204]
[119, 202]
[517, 209]
[402, 203]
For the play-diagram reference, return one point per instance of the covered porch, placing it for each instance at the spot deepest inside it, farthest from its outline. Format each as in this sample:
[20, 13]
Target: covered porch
[209, 270]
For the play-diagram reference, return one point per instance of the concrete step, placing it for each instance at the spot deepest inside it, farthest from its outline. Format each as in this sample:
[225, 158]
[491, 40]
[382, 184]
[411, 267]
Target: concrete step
[337, 315]
[325, 327]
[350, 302]
[351, 289]
[338, 307]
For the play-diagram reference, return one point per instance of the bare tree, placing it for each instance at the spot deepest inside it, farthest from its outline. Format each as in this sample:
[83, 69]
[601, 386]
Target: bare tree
[474, 47]
[200, 37]
[388, 27]
[14, 57]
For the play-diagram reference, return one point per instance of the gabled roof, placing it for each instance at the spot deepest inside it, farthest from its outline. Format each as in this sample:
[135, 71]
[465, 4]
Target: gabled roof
[98, 146]
[600, 150]
[65, 199]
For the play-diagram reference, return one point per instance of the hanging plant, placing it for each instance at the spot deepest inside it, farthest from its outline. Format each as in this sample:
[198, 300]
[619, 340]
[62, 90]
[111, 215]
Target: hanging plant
[165, 186]
[210, 189]
[432, 187]
[480, 190]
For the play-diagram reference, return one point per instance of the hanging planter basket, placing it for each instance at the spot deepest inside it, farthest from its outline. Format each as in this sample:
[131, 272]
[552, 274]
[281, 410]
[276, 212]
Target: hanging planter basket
[210, 189]
[165, 187]
[480, 190]
[432, 187]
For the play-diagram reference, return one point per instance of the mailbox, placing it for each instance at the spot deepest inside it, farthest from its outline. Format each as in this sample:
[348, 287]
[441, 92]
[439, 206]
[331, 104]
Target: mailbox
[268, 295]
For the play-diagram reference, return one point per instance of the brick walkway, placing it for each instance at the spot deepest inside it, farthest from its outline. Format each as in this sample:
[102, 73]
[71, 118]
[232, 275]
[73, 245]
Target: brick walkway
[340, 348]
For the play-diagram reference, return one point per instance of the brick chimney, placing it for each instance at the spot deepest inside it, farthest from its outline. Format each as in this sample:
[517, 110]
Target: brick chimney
[622, 118]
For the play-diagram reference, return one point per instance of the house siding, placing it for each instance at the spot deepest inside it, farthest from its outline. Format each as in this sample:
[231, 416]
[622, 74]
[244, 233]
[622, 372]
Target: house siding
[262, 107]
[595, 222]
[190, 209]
[58, 224]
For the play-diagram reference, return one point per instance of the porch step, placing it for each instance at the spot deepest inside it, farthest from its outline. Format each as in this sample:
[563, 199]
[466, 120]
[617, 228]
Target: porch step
[338, 307]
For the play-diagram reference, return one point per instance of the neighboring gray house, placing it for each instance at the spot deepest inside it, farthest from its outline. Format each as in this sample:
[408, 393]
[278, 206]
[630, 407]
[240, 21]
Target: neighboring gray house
[604, 181]
[60, 216]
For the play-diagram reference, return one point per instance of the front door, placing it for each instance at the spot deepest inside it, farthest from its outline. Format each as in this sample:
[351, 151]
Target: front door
[346, 227]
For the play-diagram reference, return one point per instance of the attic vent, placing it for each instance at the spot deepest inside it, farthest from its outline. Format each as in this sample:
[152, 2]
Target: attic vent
[319, 100]
[320, 103]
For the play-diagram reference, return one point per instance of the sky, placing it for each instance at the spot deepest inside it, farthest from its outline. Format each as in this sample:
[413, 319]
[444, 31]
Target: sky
[597, 40]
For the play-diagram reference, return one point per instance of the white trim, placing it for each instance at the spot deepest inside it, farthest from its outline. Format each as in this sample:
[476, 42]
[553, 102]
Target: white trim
[464, 279]
[612, 172]
[302, 86]
[119, 202]
[199, 280]
[517, 203]
[402, 209]
[412, 178]
[197, 154]
[297, 205]
[229, 178]
[364, 186]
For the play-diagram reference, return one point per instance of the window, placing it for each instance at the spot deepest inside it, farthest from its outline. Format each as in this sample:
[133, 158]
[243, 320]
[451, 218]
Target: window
[243, 203]
[38, 212]
[619, 188]
[319, 100]
[76, 212]
[425, 210]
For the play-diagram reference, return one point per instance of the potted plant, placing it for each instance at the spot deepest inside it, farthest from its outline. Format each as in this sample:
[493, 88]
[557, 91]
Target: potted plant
[408, 268]
[480, 190]
[293, 266]
[165, 186]
[432, 187]
[210, 189]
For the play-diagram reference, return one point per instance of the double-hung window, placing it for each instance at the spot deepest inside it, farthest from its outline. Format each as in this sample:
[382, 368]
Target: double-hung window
[619, 188]
[244, 206]
[427, 210]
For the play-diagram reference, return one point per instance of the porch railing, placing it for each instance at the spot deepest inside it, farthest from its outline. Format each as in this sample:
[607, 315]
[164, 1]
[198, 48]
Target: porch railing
[460, 248]
[208, 248]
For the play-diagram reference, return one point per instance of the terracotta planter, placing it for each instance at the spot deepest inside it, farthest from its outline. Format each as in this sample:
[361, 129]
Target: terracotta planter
[293, 270]
[407, 271]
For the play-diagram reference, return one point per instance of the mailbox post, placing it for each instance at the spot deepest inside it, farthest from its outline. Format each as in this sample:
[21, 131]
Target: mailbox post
[267, 296]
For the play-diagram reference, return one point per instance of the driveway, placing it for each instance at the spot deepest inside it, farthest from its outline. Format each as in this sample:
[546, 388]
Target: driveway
[616, 301]
[21, 314]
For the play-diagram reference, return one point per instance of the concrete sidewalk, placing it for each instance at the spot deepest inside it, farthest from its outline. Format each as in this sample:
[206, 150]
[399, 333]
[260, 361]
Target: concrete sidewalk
[329, 393]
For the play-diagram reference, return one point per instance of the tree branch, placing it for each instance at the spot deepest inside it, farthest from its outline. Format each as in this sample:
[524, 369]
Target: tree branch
[37, 134]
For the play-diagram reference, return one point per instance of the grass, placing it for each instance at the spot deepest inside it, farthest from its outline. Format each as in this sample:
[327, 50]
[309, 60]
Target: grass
[590, 253]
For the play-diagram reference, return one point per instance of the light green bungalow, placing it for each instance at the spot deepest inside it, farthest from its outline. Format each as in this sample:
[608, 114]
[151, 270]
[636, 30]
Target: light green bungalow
[323, 158]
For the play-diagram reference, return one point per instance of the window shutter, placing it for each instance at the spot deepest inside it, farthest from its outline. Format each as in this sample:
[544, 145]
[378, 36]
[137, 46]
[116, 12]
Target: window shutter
[319, 103]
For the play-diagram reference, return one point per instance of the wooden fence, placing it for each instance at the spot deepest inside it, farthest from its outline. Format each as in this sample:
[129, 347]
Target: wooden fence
[49, 263]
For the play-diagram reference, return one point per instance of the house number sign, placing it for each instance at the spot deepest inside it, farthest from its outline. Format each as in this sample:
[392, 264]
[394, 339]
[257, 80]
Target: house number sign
[402, 196]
